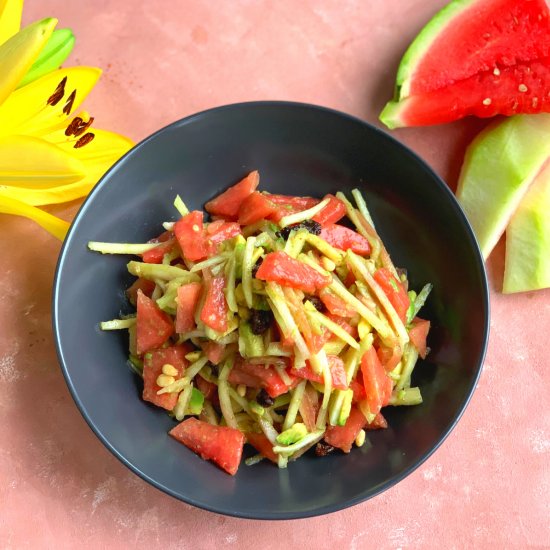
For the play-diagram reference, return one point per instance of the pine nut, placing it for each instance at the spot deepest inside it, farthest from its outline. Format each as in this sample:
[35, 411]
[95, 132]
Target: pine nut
[169, 370]
[164, 380]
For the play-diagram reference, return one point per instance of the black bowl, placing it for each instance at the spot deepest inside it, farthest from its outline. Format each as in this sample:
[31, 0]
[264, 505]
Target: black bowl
[298, 149]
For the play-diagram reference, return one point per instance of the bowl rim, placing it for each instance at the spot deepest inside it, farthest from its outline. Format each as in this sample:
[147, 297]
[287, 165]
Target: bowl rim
[311, 512]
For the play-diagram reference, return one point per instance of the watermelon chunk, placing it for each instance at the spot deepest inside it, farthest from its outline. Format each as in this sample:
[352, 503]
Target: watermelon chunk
[152, 368]
[190, 235]
[213, 351]
[208, 389]
[418, 333]
[219, 231]
[475, 57]
[338, 374]
[345, 239]
[187, 301]
[390, 357]
[144, 285]
[153, 326]
[334, 211]
[378, 386]
[260, 442]
[378, 423]
[165, 245]
[285, 205]
[214, 311]
[227, 204]
[220, 444]
[258, 376]
[255, 207]
[335, 304]
[280, 268]
[344, 436]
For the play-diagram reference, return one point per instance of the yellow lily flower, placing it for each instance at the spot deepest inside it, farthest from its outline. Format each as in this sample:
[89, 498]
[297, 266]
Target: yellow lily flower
[10, 18]
[47, 155]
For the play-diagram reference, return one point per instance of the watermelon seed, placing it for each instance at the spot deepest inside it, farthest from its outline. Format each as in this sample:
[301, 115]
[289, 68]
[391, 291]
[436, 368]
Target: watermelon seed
[487, 101]
[496, 71]
[522, 88]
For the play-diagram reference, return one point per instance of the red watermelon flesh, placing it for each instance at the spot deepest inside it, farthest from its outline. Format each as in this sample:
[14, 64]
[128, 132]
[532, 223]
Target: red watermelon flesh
[220, 444]
[475, 57]
[467, 38]
[520, 89]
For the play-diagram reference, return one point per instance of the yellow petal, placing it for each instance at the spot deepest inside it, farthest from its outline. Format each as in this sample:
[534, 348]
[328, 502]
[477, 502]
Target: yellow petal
[105, 145]
[49, 195]
[19, 53]
[96, 158]
[10, 18]
[26, 110]
[57, 227]
[98, 155]
[34, 163]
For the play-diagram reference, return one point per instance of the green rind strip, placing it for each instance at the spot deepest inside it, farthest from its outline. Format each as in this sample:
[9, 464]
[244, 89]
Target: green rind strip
[391, 115]
[527, 265]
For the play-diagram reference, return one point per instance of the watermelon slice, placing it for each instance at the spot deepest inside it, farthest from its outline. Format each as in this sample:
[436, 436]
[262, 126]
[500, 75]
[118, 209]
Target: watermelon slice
[475, 57]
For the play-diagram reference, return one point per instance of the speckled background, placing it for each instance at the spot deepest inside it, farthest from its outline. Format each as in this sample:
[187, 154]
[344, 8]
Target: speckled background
[487, 487]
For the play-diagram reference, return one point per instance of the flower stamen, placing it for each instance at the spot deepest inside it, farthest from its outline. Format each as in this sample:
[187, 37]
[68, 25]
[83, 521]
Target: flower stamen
[83, 127]
[57, 96]
[84, 140]
[77, 126]
[69, 103]
[73, 126]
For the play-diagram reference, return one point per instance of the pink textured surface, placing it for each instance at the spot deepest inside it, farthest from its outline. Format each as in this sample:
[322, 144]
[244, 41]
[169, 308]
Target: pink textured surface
[488, 486]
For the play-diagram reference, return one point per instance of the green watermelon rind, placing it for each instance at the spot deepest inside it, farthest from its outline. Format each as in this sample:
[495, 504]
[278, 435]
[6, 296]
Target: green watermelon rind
[498, 169]
[527, 263]
[391, 114]
[422, 43]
